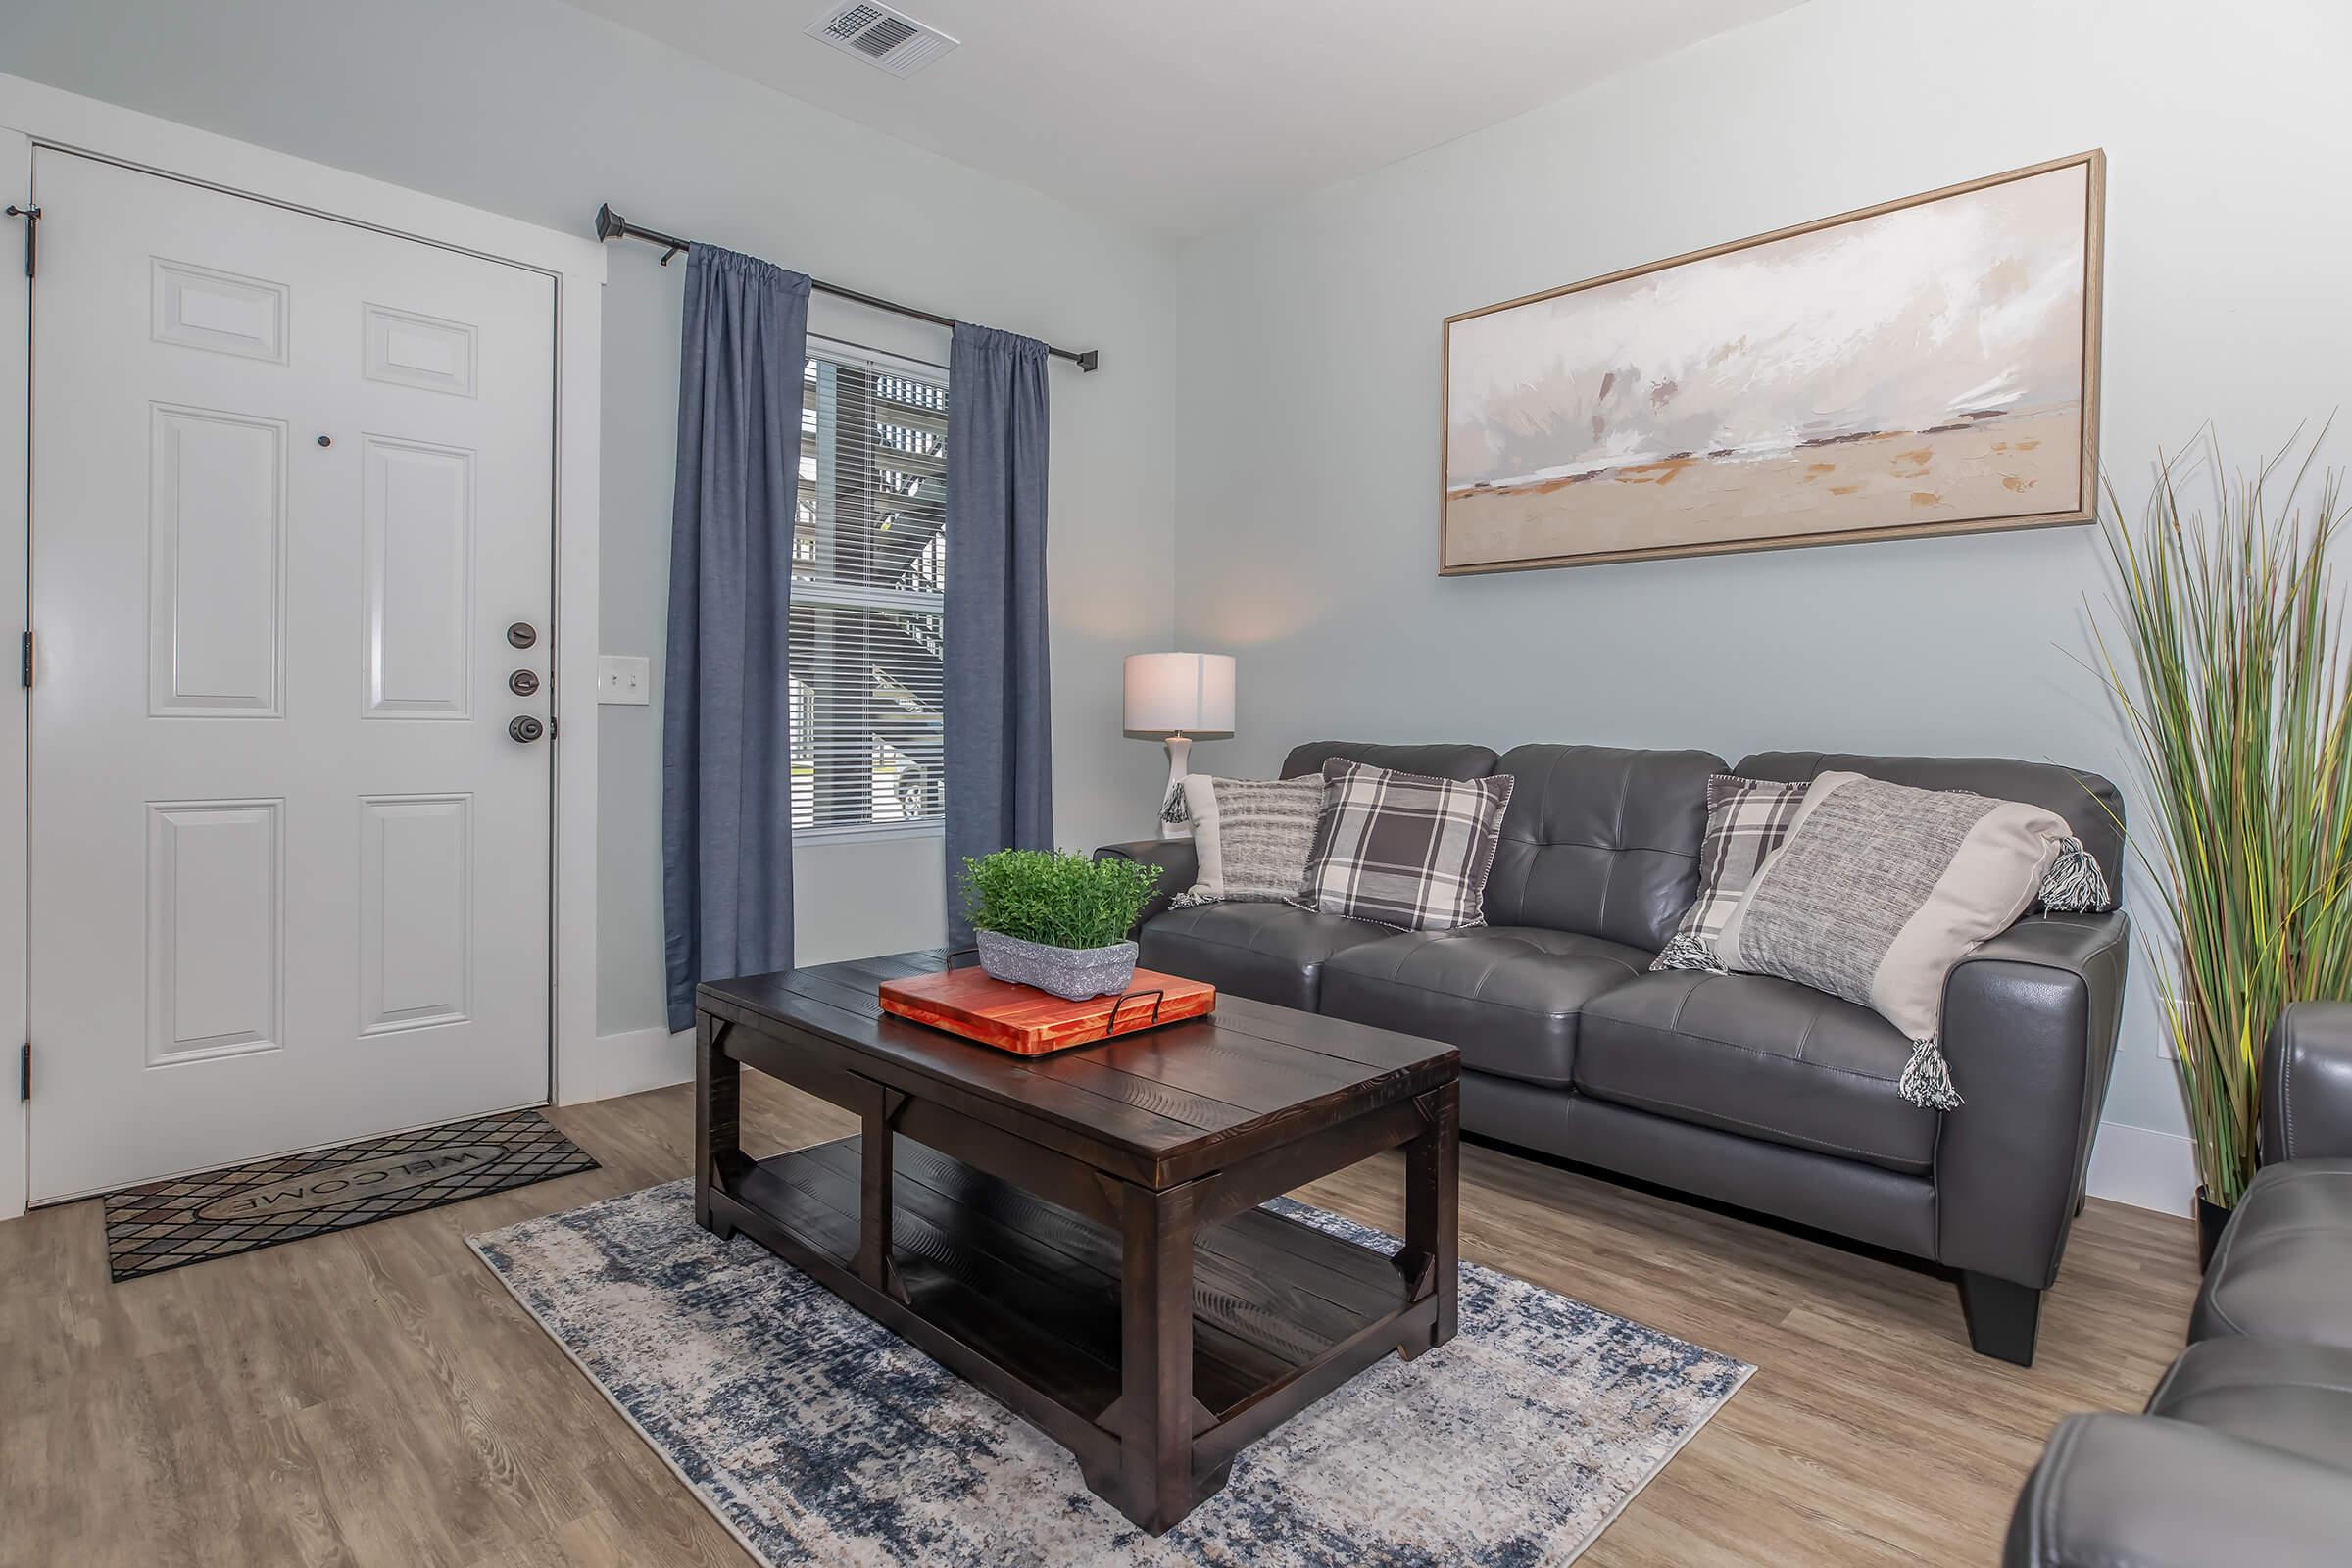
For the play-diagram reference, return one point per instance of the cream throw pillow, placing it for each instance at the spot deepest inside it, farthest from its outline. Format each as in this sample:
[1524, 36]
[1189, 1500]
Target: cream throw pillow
[1879, 889]
[1250, 837]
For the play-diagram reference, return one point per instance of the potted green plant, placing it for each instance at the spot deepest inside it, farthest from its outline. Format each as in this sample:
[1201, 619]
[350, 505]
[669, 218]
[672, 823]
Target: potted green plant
[1056, 922]
[2238, 700]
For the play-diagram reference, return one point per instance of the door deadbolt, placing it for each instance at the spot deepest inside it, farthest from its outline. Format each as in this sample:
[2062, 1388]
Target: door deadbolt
[522, 634]
[522, 683]
[525, 728]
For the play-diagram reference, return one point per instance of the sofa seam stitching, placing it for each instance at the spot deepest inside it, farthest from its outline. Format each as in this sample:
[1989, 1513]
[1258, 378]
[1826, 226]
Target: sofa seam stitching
[1507, 1007]
[2243, 1384]
[2287, 1092]
[1753, 1051]
[1765, 1126]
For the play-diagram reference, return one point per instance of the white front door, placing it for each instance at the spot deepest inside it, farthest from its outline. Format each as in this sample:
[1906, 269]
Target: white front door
[291, 487]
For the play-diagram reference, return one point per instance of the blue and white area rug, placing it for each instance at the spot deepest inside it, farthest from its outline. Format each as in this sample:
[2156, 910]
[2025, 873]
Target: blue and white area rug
[819, 1437]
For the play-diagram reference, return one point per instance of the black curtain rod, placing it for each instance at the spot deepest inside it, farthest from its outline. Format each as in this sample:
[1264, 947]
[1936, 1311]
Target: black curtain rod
[609, 224]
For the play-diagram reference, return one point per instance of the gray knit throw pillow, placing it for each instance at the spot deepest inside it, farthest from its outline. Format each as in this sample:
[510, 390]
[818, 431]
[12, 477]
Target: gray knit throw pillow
[1250, 836]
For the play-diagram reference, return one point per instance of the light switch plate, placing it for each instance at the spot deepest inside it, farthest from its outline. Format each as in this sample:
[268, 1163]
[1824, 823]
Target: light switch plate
[625, 679]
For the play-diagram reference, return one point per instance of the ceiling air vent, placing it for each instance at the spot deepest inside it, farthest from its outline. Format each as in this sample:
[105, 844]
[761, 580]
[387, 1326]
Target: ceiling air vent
[899, 44]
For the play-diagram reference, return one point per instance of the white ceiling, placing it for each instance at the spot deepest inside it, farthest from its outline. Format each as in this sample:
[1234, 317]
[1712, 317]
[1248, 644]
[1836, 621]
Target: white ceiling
[1185, 115]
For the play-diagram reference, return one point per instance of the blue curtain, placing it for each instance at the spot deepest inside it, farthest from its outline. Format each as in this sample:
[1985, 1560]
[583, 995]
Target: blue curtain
[727, 723]
[997, 720]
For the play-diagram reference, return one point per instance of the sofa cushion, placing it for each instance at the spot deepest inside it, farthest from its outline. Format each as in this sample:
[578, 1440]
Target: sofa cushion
[1757, 1056]
[1601, 841]
[1269, 951]
[2285, 1266]
[1508, 997]
[1437, 761]
[2281, 1393]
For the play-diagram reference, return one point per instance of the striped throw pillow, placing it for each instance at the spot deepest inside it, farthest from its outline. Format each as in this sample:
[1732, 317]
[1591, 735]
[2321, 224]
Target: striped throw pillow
[1250, 837]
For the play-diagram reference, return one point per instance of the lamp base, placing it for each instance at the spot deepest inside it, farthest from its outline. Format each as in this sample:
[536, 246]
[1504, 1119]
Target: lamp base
[1179, 752]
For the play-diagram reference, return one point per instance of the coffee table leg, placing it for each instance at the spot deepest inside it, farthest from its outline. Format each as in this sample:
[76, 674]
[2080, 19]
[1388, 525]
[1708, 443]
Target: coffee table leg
[1155, 1406]
[879, 1124]
[1432, 1209]
[717, 1118]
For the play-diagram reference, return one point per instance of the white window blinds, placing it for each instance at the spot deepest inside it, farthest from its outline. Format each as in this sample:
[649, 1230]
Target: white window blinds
[870, 554]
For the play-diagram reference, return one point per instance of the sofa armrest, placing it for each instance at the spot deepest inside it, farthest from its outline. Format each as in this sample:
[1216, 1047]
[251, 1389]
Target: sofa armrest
[2115, 1490]
[1179, 870]
[2307, 1084]
[2029, 1027]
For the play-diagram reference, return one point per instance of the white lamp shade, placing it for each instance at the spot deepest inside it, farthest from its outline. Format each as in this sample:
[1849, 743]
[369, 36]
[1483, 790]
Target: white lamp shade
[1180, 694]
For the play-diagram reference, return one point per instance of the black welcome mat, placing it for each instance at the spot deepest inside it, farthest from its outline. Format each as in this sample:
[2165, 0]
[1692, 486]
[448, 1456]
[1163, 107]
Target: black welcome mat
[246, 1208]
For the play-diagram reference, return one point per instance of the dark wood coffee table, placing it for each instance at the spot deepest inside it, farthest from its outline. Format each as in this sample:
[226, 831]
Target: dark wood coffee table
[1080, 1233]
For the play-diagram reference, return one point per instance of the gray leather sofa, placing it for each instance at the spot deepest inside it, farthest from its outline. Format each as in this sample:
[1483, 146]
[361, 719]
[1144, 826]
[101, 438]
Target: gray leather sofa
[2245, 1454]
[1738, 1088]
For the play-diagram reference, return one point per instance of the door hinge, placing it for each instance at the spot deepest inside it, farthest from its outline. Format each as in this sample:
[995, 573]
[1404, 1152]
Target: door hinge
[25, 663]
[32, 221]
[25, 1073]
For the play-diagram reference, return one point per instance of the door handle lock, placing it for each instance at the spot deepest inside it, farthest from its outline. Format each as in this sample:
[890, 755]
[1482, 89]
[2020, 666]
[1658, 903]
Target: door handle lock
[525, 728]
[522, 634]
[522, 683]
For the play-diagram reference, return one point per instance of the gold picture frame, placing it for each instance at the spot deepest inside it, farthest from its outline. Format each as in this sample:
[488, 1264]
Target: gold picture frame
[1946, 387]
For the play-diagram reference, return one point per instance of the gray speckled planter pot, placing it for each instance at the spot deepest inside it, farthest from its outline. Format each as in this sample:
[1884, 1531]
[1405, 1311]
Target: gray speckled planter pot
[1073, 972]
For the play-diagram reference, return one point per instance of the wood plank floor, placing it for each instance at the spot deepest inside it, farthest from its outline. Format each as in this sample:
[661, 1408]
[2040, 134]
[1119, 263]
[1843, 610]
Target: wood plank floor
[374, 1396]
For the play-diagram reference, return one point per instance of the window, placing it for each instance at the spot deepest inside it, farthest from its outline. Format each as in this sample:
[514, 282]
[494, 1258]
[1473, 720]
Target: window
[868, 564]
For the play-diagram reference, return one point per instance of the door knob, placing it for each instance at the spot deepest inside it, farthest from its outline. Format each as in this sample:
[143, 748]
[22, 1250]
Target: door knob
[525, 728]
[522, 634]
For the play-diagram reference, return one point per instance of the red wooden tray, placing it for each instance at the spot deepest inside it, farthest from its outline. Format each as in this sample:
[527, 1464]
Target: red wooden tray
[1029, 1022]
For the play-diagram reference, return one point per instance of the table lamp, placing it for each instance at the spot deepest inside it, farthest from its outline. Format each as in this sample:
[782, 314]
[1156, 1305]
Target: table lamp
[1176, 697]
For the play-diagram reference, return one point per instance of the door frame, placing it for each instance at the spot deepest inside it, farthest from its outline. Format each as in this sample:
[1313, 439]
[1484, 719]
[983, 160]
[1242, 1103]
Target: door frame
[33, 115]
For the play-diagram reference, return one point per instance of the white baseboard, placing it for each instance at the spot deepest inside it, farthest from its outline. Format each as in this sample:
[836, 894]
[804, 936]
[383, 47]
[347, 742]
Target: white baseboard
[625, 1063]
[13, 1168]
[2144, 1168]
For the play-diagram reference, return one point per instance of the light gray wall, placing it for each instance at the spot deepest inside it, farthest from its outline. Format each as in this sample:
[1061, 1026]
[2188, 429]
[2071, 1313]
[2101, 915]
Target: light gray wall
[1296, 438]
[533, 109]
[1309, 394]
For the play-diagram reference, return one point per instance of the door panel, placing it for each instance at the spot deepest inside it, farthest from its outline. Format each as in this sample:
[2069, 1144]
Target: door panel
[408, 350]
[418, 582]
[199, 309]
[291, 483]
[416, 911]
[215, 549]
[215, 927]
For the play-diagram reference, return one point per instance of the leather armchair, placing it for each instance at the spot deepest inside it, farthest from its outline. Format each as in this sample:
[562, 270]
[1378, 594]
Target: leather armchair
[2141, 1491]
[2307, 1084]
[2245, 1452]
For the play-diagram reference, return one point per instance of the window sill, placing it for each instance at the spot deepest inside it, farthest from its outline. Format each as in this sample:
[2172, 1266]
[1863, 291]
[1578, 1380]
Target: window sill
[869, 832]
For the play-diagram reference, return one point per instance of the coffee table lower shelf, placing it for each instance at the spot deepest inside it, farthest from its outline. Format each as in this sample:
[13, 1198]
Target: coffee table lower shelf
[1024, 1299]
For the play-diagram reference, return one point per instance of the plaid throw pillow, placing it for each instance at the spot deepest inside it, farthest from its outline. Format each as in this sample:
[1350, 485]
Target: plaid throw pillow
[1404, 850]
[1746, 819]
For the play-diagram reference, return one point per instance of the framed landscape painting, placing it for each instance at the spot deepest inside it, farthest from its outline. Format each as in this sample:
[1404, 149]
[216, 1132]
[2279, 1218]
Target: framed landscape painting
[1924, 366]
